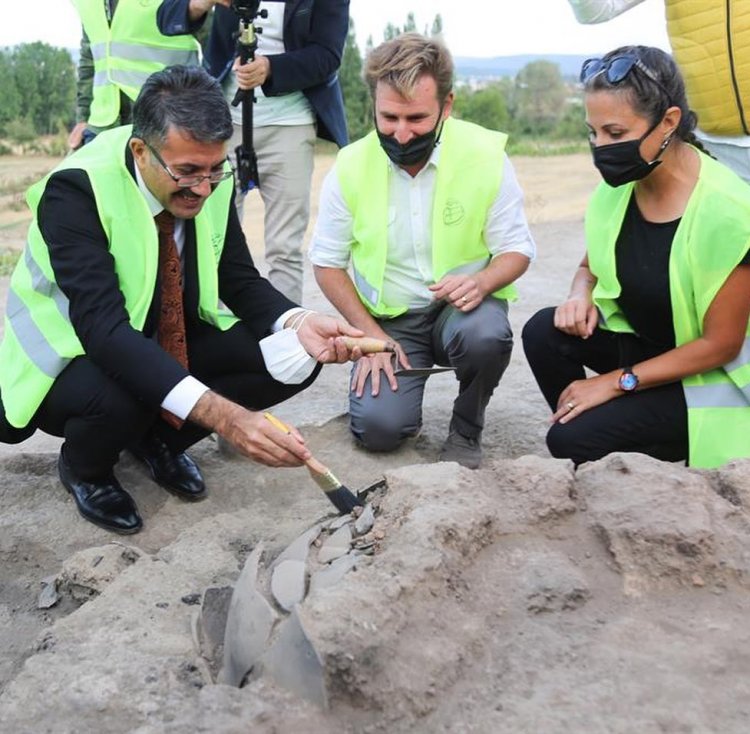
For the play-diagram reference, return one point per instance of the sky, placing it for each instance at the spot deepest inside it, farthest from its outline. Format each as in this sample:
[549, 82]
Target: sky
[471, 27]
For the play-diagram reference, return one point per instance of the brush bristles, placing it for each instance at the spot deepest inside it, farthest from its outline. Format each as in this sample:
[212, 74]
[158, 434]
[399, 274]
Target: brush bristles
[343, 499]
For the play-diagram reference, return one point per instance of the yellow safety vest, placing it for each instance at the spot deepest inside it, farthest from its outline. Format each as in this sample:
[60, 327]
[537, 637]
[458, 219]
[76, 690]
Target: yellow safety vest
[468, 179]
[711, 42]
[712, 238]
[39, 339]
[127, 52]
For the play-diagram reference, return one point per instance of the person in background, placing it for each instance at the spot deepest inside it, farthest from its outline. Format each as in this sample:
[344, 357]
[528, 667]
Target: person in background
[659, 307]
[120, 47]
[428, 210]
[136, 319]
[711, 43]
[298, 97]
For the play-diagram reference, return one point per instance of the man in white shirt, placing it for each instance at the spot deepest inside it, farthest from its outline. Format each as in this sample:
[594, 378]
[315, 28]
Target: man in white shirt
[428, 210]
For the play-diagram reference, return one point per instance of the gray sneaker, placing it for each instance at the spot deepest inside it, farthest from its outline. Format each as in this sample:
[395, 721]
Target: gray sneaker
[462, 449]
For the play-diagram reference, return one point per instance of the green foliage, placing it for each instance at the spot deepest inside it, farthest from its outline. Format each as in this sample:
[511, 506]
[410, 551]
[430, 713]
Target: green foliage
[37, 88]
[356, 95]
[538, 98]
[486, 107]
[21, 130]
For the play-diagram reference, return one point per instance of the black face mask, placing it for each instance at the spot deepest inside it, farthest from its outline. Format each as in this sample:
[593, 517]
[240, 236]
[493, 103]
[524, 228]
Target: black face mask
[416, 151]
[621, 163]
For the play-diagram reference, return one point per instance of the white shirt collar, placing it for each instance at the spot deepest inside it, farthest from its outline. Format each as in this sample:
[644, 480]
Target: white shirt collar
[152, 202]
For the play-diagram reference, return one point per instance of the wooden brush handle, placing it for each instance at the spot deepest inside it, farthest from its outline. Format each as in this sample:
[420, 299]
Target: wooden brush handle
[369, 345]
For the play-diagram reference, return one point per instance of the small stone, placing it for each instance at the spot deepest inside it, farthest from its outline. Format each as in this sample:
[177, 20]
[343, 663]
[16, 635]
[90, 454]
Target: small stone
[698, 580]
[162, 604]
[337, 545]
[365, 521]
[48, 596]
[379, 534]
[191, 599]
[339, 522]
[288, 584]
[357, 510]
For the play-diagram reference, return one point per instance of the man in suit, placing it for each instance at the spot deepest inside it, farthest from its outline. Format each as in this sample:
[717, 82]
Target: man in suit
[105, 347]
[294, 78]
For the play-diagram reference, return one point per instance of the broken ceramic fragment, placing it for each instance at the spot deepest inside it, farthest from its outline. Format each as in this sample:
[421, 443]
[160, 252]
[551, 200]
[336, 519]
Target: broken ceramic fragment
[288, 584]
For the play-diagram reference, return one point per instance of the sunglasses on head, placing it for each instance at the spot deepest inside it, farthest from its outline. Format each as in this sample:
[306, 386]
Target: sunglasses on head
[617, 68]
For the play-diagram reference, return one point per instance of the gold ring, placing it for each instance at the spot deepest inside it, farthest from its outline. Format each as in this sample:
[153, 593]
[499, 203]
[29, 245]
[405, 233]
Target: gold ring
[464, 299]
[570, 406]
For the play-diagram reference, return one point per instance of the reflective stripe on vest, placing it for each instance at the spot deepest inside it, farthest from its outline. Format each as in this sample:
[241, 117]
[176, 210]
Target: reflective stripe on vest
[127, 52]
[718, 211]
[39, 339]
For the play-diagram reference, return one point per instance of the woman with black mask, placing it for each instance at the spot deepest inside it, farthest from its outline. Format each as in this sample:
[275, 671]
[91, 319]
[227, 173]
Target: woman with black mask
[659, 305]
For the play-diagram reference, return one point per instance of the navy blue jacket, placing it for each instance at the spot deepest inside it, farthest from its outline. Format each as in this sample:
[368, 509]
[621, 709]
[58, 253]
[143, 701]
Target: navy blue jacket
[314, 37]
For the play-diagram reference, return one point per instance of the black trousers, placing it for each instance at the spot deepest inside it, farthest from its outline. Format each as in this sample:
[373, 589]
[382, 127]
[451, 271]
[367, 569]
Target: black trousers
[98, 418]
[652, 421]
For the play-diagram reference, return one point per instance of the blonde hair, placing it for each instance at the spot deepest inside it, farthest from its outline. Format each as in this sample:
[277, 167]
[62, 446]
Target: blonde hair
[401, 61]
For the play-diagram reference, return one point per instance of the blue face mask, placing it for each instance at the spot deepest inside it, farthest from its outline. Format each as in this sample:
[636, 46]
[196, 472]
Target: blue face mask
[621, 163]
[416, 151]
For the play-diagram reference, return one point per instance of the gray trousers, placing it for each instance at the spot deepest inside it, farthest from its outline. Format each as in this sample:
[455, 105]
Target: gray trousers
[285, 166]
[477, 344]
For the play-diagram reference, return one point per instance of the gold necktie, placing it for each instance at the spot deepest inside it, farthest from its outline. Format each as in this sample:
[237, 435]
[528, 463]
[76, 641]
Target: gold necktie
[171, 329]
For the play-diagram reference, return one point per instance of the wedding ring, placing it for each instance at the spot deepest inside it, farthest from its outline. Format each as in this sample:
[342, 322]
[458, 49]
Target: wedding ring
[464, 299]
[570, 406]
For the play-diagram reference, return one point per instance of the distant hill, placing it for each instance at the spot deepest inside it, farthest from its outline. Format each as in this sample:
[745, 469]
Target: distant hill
[468, 67]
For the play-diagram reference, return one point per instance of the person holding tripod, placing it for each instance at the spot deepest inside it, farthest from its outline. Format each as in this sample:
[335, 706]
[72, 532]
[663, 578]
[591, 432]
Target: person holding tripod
[298, 98]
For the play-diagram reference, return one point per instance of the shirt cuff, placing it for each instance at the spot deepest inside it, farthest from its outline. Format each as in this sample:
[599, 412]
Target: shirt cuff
[181, 399]
[278, 325]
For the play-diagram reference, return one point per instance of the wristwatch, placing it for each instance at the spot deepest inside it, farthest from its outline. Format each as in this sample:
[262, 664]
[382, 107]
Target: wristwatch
[627, 381]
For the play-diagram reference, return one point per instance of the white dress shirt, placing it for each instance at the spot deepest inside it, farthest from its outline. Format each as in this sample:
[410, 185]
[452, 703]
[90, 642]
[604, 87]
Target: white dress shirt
[181, 399]
[408, 269]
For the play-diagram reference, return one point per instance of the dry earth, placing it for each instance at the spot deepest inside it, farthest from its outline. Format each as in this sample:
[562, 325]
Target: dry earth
[520, 598]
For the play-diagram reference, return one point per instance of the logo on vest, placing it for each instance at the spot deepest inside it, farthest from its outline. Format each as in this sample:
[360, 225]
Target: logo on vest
[216, 242]
[453, 212]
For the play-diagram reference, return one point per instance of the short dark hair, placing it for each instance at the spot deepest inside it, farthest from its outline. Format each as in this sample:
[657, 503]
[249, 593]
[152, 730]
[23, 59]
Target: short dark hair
[183, 97]
[649, 98]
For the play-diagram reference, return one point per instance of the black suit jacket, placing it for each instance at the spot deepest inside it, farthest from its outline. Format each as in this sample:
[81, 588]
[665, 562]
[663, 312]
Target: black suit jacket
[84, 270]
[314, 38]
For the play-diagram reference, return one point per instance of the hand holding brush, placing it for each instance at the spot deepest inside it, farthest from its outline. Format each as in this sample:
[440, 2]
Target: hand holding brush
[343, 499]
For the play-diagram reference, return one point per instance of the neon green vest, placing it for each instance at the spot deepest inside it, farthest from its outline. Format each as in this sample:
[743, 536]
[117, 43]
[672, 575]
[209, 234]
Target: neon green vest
[127, 52]
[712, 238]
[39, 339]
[468, 179]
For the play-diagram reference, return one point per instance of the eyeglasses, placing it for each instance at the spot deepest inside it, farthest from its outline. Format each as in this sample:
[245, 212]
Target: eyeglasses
[616, 69]
[190, 180]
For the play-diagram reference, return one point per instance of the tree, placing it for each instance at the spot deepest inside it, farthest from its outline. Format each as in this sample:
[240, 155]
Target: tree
[44, 79]
[486, 107]
[437, 26]
[355, 92]
[539, 98]
[10, 100]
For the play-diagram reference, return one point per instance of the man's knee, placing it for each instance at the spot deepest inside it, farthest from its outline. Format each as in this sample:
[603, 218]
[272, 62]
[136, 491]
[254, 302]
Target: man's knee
[379, 432]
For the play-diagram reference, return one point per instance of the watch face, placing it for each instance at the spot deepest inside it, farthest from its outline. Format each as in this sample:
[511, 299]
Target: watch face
[628, 381]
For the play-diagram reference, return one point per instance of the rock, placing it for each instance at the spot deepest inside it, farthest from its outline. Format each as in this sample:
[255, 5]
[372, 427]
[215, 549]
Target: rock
[299, 548]
[294, 663]
[249, 623]
[212, 623]
[88, 572]
[365, 521]
[552, 583]
[334, 572]
[48, 596]
[337, 545]
[288, 584]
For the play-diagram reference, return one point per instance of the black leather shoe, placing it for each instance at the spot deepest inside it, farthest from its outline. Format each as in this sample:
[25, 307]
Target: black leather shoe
[104, 503]
[177, 473]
